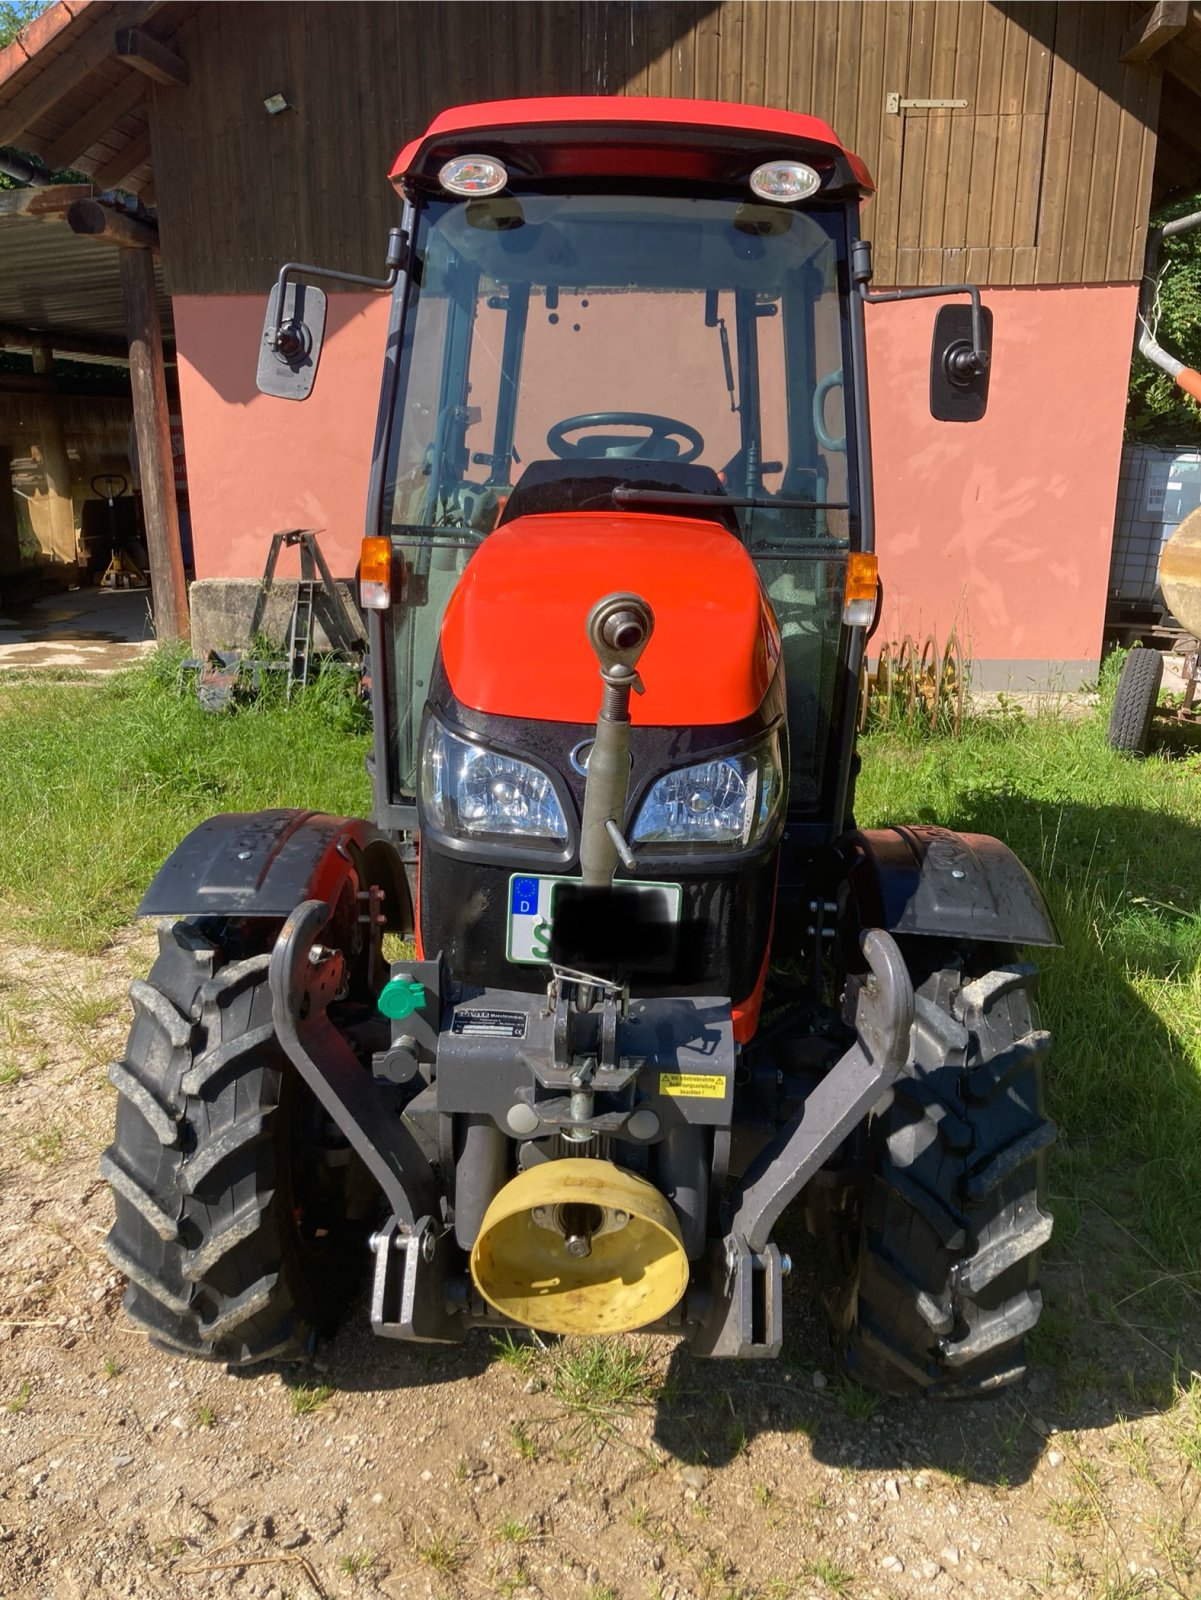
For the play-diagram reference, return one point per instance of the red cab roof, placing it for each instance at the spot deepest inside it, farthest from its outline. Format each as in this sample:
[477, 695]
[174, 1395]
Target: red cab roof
[602, 136]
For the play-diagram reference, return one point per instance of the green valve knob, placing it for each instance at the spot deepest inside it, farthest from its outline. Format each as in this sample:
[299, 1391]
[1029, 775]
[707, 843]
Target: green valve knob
[400, 997]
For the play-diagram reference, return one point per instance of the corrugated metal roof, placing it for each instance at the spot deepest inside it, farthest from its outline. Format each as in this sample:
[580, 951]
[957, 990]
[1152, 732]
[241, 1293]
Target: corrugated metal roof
[56, 281]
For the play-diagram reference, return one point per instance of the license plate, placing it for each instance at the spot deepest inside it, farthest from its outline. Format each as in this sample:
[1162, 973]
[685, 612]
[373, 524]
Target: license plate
[531, 912]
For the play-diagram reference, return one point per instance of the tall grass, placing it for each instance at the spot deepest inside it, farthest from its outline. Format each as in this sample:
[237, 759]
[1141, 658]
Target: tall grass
[1116, 845]
[99, 782]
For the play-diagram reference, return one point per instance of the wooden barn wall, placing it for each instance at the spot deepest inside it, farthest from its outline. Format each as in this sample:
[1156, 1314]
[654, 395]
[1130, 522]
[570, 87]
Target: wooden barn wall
[1043, 177]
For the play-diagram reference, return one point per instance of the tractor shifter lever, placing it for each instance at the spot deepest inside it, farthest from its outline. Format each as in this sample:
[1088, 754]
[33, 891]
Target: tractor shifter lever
[619, 627]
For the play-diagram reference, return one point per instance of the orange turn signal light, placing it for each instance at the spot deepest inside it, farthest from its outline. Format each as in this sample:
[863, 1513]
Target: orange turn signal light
[859, 593]
[375, 574]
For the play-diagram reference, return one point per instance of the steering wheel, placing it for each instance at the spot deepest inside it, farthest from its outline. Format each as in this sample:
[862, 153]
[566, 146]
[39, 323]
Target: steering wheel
[656, 445]
[832, 380]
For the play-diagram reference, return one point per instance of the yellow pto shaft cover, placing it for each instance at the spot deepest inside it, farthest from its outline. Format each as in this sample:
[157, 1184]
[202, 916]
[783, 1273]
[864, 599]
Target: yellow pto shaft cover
[632, 1268]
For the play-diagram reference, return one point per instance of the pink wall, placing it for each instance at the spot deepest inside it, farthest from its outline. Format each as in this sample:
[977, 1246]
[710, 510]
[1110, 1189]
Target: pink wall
[256, 464]
[1001, 528]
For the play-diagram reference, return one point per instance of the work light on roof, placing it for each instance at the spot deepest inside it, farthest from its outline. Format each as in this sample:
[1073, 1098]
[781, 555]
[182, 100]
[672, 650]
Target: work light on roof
[473, 175]
[785, 181]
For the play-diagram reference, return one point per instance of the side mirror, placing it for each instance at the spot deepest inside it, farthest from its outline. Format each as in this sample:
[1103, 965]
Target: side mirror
[290, 351]
[958, 370]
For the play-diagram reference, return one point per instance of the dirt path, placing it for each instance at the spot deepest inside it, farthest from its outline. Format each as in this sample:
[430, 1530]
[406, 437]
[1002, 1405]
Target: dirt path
[392, 1470]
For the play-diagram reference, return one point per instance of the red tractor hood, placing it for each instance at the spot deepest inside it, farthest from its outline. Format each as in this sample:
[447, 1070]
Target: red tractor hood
[514, 641]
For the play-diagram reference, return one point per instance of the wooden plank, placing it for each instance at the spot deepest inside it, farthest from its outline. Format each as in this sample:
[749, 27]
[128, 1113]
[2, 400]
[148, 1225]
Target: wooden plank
[133, 154]
[1152, 31]
[729, 59]
[138, 49]
[754, 45]
[1057, 148]
[1011, 110]
[849, 71]
[882, 215]
[959, 144]
[76, 140]
[816, 55]
[50, 202]
[1023, 265]
[49, 85]
[660, 38]
[708, 53]
[1081, 157]
[1036, 101]
[862, 130]
[1130, 201]
[1116, 91]
[938, 137]
[152, 424]
[777, 90]
[982, 173]
[1146, 172]
[682, 78]
[913, 169]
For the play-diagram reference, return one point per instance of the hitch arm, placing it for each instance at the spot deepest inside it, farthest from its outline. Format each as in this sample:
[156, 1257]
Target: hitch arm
[883, 1023]
[301, 989]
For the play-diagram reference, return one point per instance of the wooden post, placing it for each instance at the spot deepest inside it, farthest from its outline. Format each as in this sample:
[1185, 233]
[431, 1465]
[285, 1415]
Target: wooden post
[59, 505]
[153, 426]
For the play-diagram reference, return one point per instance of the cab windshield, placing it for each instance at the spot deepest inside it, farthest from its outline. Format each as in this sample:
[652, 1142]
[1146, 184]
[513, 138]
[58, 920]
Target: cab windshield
[654, 352]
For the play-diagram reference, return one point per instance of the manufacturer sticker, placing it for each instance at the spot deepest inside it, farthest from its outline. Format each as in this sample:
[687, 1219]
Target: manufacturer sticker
[490, 1024]
[693, 1085]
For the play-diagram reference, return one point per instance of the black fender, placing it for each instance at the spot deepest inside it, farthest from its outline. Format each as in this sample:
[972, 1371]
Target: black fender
[266, 863]
[931, 881]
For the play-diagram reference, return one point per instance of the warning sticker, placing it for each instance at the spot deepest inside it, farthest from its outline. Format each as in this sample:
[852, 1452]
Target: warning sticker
[693, 1085]
[490, 1024]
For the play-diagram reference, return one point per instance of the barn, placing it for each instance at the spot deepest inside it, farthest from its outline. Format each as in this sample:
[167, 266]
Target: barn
[1017, 145]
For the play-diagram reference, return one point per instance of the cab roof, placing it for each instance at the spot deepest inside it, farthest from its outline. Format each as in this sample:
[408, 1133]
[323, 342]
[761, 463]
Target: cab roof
[559, 138]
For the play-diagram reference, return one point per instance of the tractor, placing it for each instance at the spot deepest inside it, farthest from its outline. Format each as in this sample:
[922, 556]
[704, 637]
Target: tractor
[658, 989]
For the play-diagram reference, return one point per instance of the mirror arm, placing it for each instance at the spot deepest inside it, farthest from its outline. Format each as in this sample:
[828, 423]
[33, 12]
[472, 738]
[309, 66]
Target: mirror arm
[964, 363]
[286, 340]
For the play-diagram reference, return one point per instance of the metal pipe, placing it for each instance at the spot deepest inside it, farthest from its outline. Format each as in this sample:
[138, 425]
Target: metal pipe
[619, 627]
[1186, 378]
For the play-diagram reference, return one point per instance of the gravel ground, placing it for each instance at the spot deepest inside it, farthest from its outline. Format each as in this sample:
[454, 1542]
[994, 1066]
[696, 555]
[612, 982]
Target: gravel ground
[388, 1470]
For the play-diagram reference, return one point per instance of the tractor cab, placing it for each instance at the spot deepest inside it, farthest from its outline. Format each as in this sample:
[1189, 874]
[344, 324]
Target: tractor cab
[650, 327]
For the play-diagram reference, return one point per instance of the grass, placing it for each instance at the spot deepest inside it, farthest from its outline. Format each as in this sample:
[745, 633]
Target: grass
[46, 1147]
[99, 783]
[511, 1530]
[310, 1397]
[1114, 844]
[600, 1380]
[828, 1573]
[525, 1446]
[445, 1553]
[357, 1561]
[20, 1400]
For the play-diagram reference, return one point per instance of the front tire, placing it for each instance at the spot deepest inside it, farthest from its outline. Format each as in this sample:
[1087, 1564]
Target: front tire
[944, 1289]
[233, 1193]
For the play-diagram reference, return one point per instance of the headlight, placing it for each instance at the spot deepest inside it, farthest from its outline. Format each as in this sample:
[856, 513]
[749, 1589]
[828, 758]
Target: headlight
[729, 800]
[469, 791]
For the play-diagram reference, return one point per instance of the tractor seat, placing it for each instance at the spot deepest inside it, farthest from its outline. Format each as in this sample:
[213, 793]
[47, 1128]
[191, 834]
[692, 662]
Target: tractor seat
[553, 485]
